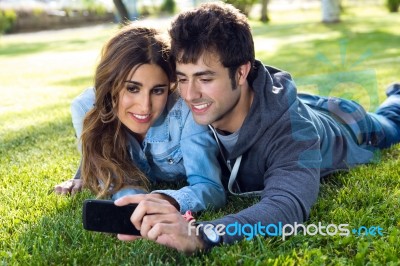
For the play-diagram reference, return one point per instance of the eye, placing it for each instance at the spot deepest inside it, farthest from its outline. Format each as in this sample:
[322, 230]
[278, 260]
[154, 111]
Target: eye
[206, 80]
[158, 91]
[132, 88]
[182, 80]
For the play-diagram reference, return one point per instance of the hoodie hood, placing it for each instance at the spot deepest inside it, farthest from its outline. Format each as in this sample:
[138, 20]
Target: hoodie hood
[274, 92]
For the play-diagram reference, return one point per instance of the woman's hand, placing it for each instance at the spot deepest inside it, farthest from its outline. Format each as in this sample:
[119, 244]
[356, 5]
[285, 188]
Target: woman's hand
[71, 186]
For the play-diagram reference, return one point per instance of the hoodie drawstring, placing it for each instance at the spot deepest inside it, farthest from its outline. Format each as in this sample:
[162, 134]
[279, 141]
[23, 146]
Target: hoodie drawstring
[234, 171]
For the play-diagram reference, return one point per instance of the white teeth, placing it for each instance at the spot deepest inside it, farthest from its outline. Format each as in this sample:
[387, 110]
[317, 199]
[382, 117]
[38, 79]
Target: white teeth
[141, 117]
[201, 106]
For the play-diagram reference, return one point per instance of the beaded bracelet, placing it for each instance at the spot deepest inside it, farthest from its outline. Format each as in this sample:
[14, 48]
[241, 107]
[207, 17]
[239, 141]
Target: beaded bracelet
[188, 216]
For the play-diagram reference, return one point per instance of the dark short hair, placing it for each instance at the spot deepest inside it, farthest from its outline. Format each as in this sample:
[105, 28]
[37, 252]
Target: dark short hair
[215, 28]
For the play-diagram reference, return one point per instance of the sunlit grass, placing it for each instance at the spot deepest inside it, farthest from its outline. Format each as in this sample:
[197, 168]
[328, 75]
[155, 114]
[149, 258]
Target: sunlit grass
[41, 73]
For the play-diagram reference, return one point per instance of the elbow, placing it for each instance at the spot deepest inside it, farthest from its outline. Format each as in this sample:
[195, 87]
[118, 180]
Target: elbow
[217, 198]
[222, 201]
[289, 209]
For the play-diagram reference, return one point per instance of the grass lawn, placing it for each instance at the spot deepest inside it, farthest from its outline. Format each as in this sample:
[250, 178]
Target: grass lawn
[41, 73]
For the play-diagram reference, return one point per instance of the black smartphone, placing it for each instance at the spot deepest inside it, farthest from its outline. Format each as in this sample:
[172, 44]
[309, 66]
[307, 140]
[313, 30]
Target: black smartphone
[104, 216]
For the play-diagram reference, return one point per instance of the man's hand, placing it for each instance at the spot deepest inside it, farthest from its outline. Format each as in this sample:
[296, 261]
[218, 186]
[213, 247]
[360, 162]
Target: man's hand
[163, 197]
[159, 221]
[71, 186]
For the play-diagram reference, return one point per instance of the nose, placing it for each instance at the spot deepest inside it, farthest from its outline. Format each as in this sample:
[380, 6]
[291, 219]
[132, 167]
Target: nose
[145, 103]
[190, 91]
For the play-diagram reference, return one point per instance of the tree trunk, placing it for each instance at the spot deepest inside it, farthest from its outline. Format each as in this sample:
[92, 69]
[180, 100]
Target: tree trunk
[122, 10]
[264, 11]
[330, 11]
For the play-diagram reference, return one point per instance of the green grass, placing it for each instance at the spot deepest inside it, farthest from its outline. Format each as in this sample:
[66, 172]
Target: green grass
[40, 75]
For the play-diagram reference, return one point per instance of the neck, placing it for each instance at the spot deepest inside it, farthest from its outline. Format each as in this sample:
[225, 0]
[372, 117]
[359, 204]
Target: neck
[138, 137]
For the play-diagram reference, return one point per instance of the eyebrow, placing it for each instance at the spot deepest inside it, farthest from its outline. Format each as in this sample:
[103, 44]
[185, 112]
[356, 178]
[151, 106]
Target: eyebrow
[140, 84]
[197, 74]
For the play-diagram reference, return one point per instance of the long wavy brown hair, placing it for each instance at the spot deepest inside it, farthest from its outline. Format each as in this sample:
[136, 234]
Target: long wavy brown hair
[106, 164]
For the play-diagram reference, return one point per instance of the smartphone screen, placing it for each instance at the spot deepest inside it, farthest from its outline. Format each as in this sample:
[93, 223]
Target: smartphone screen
[104, 216]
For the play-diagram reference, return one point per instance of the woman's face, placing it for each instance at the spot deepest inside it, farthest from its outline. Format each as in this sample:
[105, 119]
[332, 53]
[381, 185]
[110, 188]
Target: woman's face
[143, 98]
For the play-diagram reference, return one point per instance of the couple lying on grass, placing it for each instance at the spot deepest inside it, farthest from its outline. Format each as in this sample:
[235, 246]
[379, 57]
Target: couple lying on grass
[146, 120]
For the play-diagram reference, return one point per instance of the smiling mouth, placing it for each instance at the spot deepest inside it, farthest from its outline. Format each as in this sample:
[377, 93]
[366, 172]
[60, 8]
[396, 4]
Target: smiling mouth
[141, 118]
[200, 107]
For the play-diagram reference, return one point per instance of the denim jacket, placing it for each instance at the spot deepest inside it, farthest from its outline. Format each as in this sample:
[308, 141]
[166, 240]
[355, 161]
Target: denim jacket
[174, 148]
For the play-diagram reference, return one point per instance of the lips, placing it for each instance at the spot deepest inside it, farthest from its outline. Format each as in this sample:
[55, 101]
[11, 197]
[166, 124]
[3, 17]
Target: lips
[200, 108]
[141, 118]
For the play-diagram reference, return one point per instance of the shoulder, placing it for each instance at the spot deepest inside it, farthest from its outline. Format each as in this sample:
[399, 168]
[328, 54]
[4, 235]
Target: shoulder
[87, 94]
[84, 101]
[176, 107]
[179, 112]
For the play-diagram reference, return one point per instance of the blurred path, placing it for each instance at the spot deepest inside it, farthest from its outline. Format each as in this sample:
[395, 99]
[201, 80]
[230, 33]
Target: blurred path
[158, 23]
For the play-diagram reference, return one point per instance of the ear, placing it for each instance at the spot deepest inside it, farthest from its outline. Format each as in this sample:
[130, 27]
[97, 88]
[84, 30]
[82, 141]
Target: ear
[242, 73]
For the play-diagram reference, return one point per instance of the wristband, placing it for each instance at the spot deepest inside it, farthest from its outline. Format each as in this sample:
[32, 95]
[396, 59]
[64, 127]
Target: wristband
[210, 237]
[188, 216]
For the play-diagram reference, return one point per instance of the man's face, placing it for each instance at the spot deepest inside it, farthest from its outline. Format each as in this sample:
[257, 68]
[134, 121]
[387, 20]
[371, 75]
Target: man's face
[207, 89]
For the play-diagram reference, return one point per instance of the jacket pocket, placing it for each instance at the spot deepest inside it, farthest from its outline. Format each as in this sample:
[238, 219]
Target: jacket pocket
[169, 166]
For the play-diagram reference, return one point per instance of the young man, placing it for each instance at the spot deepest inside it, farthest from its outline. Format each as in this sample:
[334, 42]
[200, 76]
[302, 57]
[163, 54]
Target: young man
[277, 143]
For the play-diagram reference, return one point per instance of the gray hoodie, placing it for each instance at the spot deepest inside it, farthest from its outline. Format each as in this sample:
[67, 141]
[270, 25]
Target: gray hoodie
[285, 146]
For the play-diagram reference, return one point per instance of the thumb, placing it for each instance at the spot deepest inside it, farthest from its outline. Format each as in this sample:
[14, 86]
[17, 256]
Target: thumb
[127, 237]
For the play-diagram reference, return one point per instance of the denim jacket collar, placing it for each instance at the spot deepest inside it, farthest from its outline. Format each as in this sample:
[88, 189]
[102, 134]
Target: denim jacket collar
[159, 132]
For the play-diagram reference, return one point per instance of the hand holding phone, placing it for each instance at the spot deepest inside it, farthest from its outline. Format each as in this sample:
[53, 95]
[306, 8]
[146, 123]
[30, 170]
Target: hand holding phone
[105, 216]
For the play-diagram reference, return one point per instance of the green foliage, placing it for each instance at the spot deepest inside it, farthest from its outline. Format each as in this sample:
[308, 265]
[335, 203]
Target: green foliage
[149, 9]
[243, 5]
[37, 12]
[168, 6]
[94, 7]
[87, 3]
[7, 19]
[97, 10]
[393, 5]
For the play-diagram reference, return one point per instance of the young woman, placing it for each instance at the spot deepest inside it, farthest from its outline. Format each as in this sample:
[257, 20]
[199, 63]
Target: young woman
[136, 130]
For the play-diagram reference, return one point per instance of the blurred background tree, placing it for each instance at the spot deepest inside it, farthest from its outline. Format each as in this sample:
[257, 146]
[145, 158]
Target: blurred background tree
[243, 5]
[393, 5]
[168, 7]
[264, 11]
[122, 10]
[18, 15]
[330, 11]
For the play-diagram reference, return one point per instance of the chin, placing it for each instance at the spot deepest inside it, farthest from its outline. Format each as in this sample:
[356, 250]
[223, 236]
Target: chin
[201, 121]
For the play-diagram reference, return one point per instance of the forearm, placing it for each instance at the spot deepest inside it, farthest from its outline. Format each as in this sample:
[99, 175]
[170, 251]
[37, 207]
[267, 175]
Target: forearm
[287, 198]
[78, 172]
[252, 221]
[197, 197]
[200, 159]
